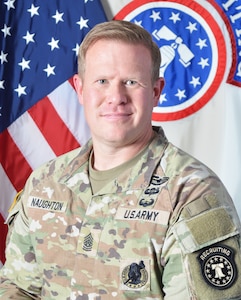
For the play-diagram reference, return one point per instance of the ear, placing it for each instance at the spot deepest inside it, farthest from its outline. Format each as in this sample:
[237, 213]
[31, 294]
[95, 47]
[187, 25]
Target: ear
[157, 89]
[78, 85]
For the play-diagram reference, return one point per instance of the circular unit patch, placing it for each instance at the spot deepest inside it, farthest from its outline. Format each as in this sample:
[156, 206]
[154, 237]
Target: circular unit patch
[135, 275]
[192, 49]
[218, 266]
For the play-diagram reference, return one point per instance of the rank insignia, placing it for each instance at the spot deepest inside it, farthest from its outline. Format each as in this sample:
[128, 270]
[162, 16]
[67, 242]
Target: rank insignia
[88, 242]
[218, 266]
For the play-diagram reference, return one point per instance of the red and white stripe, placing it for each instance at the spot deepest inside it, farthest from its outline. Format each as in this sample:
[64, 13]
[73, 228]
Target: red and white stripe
[53, 126]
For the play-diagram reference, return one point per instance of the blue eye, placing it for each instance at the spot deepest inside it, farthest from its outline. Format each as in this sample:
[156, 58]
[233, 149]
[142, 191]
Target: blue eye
[102, 81]
[130, 82]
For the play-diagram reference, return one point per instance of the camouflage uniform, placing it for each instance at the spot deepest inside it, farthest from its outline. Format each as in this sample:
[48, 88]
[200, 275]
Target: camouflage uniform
[164, 229]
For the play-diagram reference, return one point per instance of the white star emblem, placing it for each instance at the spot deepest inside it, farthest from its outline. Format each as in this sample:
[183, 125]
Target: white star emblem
[139, 23]
[54, 44]
[201, 43]
[49, 70]
[195, 81]
[33, 10]
[24, 64]
[29, 37]
[20, 90]
[180, 94]
[175, 18]
[83, 23]
[76, 49]
[155, 15]
[163, 98]
[3, 57]
[204, 62]
[6, 30]
[58, 17]
[10, 4]
[191, 27]
[2, 84]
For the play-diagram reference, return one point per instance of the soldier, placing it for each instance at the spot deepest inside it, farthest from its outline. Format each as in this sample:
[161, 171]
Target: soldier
[128, 215]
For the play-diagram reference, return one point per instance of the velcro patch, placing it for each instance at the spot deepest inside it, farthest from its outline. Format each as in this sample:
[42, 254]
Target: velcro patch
[207, 226]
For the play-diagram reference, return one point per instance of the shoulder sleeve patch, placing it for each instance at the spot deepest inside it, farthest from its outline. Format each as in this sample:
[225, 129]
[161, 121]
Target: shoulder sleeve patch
[208, 235]
[215, 270]
[217, 266]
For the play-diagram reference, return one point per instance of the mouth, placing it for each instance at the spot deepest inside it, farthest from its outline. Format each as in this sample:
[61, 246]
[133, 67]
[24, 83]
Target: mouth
[116, 116]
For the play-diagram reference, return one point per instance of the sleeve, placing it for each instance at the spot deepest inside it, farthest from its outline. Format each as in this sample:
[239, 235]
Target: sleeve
[19, 277]
[202, 254]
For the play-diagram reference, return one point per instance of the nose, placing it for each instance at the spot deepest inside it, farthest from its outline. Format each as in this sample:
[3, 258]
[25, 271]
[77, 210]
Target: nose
[117, 94]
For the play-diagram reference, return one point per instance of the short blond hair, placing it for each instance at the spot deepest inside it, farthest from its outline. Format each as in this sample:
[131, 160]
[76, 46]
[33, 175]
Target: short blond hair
[120, 30]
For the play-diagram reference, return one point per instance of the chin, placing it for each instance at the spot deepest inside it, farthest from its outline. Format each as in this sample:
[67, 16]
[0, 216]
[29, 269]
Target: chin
[116, 138]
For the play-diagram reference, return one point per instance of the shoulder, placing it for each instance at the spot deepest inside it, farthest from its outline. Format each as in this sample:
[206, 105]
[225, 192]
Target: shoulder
[56, 165]
[209, 235]
[206, 220]
[53, 171]
[206, 235]
[175, 161]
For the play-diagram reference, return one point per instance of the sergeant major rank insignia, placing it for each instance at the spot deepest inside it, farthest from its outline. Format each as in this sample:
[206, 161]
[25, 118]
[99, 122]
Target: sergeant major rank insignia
[218, 266]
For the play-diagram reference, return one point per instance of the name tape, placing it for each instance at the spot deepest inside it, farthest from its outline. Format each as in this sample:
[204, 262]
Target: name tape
[52, 205]
[148, 215]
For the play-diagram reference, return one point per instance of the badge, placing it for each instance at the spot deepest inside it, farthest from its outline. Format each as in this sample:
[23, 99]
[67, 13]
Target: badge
[218, 266]
[88, 241]
[150, 194]
[135, 275]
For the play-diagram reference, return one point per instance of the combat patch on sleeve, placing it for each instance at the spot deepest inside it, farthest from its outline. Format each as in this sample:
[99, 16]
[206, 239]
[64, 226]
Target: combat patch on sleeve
[215, 270]
[210, 242]
[218, 266]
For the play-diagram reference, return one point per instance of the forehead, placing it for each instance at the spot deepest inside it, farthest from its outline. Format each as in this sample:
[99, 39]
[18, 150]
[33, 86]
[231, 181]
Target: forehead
[124, 49]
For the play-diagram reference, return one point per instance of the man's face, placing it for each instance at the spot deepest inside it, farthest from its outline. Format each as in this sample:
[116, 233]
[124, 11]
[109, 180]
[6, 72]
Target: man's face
[117, 92]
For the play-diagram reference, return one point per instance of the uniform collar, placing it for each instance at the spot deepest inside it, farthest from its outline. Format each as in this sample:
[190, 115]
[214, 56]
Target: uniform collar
[138, 177]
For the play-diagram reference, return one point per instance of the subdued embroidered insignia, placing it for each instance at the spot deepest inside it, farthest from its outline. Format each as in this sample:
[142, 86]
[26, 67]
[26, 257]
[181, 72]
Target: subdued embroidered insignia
[135, 276]
[152, 190]
[218, 266]
[88, 242]
[146, 202]
[157, 180]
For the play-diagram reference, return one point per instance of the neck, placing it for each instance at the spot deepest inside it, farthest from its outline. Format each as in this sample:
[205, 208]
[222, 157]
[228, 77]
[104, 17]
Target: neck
[106, 156]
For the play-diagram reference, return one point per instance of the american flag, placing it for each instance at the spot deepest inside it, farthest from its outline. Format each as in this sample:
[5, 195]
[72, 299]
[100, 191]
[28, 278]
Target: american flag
[40, 117]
